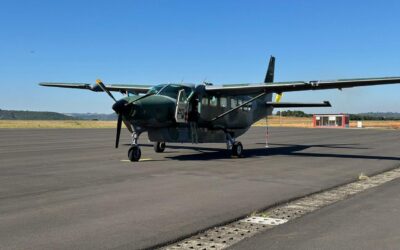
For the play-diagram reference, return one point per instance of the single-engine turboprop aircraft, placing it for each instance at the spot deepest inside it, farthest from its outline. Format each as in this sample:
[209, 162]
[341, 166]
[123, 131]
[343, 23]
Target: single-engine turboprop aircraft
[205, 113]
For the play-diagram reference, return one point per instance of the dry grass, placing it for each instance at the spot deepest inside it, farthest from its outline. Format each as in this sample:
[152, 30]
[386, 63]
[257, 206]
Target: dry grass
[296, 122]
[56, 124]
[273, 121]
[305, 122]
[378, 124]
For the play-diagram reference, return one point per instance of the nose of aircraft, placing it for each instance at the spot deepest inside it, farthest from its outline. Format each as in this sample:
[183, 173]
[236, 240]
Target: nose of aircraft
[122, 107]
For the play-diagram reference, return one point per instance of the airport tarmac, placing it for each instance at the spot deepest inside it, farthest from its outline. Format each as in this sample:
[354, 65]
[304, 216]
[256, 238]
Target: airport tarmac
[69, 188]
[369, 220]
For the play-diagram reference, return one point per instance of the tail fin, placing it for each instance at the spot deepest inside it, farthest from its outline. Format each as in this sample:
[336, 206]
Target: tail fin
[269, 76]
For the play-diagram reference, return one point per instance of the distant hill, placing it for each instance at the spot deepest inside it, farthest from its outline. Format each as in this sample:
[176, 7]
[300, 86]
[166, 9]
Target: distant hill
[94, 116]
[32, 115]
[385, 115]
[40, 115]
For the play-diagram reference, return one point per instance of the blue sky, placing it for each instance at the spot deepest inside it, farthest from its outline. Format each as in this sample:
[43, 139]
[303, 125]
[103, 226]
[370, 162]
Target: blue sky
[150, 42]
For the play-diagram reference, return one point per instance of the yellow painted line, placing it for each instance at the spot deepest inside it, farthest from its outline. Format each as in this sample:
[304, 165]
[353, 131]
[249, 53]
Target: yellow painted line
[144, 159]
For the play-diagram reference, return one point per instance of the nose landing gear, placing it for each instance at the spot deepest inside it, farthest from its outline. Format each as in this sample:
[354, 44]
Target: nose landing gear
[134, 152]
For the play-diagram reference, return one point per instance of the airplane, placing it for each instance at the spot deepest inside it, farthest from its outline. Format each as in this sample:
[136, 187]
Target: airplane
[205, 113]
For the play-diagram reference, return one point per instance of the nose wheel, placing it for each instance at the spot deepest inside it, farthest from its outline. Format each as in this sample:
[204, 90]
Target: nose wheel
[159, 147]
[134, 153]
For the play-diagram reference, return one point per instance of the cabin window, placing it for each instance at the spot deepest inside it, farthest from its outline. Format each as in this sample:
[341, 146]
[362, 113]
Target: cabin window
[204, 101]
[223, 102]
[233, 103]
[213, 101]
[247, 107]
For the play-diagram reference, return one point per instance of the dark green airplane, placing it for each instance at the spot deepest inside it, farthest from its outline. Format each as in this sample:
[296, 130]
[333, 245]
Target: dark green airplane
[203, 113]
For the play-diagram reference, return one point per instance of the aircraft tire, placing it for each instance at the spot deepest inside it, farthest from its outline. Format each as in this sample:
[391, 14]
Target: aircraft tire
[159, 147]
[134, 153]
[237, 149]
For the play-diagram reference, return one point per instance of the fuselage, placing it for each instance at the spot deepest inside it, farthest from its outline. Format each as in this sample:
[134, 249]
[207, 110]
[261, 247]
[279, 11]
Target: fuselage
[156, 114]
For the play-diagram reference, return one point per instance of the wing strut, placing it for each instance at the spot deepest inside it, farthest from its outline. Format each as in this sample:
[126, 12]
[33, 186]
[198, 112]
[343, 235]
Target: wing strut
[238, 107]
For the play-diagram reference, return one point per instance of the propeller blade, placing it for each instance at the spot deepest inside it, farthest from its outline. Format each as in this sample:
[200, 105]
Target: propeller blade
[140, 98]
[119, 124]
[103, 87]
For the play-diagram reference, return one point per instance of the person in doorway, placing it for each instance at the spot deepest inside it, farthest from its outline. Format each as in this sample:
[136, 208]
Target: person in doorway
[193, 118]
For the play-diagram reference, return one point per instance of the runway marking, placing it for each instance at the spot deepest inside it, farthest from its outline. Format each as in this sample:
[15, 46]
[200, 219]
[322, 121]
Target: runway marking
[224, 236]
[264, 220]
[144, 159]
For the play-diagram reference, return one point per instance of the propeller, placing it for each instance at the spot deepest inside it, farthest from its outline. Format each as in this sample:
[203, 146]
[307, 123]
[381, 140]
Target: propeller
[119, 124]
[143, 96]
[103, 87]
[118, 108]
[121, 107]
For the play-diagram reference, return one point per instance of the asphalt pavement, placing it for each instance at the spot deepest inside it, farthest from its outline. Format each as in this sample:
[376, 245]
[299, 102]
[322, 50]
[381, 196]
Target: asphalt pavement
[70, 189]
[369, 220]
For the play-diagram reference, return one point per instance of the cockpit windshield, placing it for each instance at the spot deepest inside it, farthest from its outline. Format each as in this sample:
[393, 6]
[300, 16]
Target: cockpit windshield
[154, 90]
[170, 90]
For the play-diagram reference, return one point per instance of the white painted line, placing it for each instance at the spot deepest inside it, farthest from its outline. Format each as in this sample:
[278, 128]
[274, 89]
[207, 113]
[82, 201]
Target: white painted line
[264, 220]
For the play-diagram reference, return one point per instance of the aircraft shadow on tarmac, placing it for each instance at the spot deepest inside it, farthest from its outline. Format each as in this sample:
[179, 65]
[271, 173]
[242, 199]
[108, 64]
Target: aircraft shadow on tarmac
[208, 153]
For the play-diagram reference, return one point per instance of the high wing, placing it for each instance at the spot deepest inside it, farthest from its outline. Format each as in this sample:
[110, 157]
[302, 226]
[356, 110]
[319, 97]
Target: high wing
[123, 88]
[279, 87]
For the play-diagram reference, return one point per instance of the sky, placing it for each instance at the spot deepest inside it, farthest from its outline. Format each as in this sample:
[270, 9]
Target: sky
[152, 42]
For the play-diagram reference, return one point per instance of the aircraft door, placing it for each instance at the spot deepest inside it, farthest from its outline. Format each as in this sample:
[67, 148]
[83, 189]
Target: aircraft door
[182, 107]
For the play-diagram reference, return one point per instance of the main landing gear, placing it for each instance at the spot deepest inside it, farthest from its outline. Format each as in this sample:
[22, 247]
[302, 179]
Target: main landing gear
[159, 147]
[235, 147]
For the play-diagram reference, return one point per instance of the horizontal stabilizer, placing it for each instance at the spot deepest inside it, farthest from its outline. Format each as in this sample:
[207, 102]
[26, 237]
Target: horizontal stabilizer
[298, 104]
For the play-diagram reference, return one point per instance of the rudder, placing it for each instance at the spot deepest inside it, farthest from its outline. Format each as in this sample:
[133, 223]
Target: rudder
[269, 76]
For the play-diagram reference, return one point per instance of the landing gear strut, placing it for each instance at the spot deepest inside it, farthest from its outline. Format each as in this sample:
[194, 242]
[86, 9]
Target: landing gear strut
[134, 152]
[235, 147]
[159, 147]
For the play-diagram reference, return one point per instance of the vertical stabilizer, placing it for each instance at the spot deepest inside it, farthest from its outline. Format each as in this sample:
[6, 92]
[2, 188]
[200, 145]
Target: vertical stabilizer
[269, 76]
